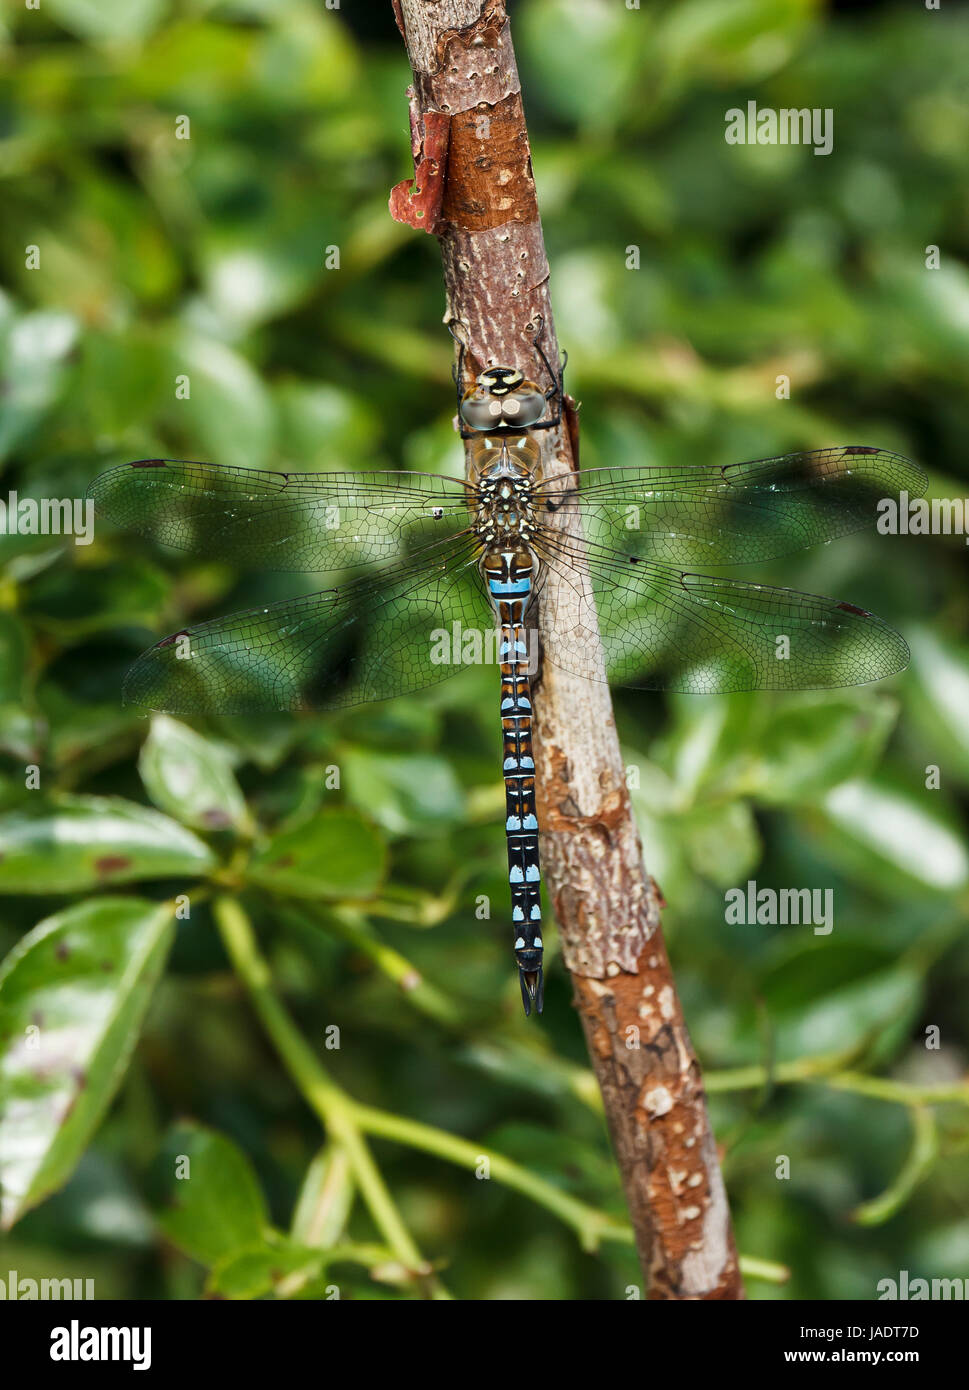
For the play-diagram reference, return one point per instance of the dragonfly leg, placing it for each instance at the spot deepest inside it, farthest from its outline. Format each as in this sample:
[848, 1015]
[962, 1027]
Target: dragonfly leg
[556, 392]
[457, 369]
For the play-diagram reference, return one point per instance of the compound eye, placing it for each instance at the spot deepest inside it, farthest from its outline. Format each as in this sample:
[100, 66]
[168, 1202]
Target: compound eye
[525, 406]
[476, 411]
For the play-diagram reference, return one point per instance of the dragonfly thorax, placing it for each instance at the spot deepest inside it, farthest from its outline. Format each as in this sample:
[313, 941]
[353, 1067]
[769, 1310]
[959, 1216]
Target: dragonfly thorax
[504, 475]
[505, 515]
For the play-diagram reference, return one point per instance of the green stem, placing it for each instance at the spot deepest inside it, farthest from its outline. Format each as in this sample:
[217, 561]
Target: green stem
[351, 926]
[923, 1153]
[592, 1226]
[826, 1070]
[757, 1074]
[766, 1270]
[331, 1104]
[901, 1092]
[346, 1121]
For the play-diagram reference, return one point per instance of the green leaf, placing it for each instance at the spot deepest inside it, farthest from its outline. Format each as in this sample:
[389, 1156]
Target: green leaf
[702, 735]
[894, 836]
[584, 56]
[813, 743]
[722, 842]
[19, 734]
[780, 752]
[336, 855]
[404, 792]
[816, 1007]
[14, 642]
[73, 994]
[263, 1269]
[191, 777]
[229, 413]
[121, 375]
[33, 350]
[731, 38]
[939, 697]
[314, 418]
[107, 599]
[663, 847]
[79, 842]
[325, 1199]
[214, 1205]
[108, 19]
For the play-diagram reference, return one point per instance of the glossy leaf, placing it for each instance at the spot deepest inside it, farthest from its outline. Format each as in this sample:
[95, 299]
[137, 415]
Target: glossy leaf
[191, 777]
[228, 410]
[80, 842]
[820, 1001]
[939, 699]
[336, 855]
[73, 994]
[894, 834]
[722, 842]
[213, 1205]
[405, 793]
[33, 350]
[263, 1269]
[785, 751]
[809, 747]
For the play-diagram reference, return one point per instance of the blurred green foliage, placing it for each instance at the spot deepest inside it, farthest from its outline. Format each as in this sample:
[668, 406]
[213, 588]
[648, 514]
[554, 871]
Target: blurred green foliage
[158, 256]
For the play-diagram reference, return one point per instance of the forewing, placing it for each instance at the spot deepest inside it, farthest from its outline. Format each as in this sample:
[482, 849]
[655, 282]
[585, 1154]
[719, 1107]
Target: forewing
[280, 521]
[738, 514]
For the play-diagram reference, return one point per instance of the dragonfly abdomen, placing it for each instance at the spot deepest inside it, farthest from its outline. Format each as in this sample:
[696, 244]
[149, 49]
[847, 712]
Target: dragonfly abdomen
[509, 576]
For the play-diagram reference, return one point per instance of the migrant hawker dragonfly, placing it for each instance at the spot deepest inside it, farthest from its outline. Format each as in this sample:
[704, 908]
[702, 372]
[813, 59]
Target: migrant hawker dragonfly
[441, 552]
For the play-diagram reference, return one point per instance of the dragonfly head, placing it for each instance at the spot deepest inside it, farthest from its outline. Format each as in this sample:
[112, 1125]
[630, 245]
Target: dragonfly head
[501, 400]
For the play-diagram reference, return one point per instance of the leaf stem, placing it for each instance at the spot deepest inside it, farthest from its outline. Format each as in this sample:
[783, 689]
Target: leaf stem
[330, 1103]
[825, 1069]
[591, 1225]
[923, 1153]
[347, 1121]
[351, 927]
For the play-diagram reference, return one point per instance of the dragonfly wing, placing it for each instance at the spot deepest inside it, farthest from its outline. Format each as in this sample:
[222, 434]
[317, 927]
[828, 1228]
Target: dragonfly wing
[663, 629]
[281, 521]
[311, 652]
[738, 514]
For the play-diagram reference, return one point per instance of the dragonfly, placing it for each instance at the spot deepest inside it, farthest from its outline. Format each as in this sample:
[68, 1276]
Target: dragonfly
[432, 567]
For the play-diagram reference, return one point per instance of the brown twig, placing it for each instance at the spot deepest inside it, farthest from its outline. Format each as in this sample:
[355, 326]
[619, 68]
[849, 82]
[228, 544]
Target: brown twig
[474, 188]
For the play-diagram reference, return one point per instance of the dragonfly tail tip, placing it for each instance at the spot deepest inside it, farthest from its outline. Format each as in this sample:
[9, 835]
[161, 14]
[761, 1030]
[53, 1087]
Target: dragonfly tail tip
[533, 989]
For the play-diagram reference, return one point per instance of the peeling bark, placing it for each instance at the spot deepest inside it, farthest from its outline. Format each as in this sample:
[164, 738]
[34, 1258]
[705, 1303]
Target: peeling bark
[417, 201]
[497, 284]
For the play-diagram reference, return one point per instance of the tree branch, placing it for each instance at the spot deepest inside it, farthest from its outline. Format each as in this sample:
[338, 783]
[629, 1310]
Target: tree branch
[474, 189]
